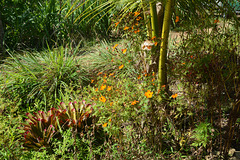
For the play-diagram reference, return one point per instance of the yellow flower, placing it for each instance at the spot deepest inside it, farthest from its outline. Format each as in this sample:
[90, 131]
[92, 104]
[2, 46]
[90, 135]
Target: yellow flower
[104, 125]
[120, 67]
[102, 99]
[103, 87]
[134, 102]
[174, 95]
[148, 94]
[109, 88]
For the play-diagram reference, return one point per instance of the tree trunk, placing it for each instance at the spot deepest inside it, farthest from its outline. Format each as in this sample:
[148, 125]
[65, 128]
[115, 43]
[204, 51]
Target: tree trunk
[162, 69]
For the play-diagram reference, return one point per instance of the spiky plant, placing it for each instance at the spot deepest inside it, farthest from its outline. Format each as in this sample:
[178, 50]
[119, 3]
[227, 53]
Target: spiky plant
[42, 128]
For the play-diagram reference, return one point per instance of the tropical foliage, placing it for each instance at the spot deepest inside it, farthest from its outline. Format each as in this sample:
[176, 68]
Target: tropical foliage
[119, 80]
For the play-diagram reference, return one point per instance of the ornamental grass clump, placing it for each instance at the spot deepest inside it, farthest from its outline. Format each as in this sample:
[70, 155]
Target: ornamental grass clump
[41, 76]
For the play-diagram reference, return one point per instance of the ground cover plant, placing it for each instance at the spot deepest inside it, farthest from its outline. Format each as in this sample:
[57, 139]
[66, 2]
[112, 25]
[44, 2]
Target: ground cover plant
[114, 99]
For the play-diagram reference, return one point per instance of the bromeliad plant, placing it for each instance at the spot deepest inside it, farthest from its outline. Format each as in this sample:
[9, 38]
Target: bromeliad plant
[42, 127]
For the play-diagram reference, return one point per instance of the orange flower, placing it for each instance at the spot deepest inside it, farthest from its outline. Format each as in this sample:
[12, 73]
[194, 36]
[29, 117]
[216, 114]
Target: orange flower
[183, 63]
[153, 38]
[129, 61]
[153, 79]
[99, 73]
[216, 21]
[177, 19]
[109, 88]
[104, 125]
[111, 74]
[134, 102]
[103, 87]
[174, 95]
[153, 74]
[136, 31]
[139, 76]
[124, 50]
[155, 43]
[102, 99]
[120, 67]
[96, 89]
[92, 81]
[116, 24]
[148, 94]
[111, 103]
[104, 81]
[112, 60]
[136, 13]
[110, 120]
[163, 86]
[125, 28]
[139, 18]
[115, 46]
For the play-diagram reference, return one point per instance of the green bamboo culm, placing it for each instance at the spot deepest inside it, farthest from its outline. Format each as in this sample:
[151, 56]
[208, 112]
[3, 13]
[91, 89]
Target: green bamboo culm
[154, 20]
[162, 69]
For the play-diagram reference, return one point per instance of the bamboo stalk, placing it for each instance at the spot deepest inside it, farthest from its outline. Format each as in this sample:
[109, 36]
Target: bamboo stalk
[162, 70]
